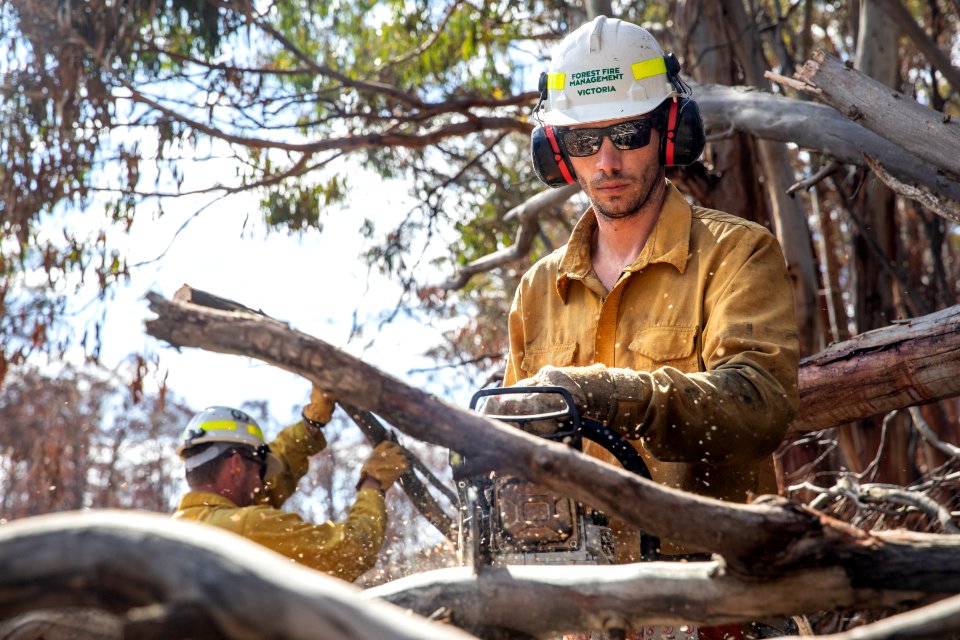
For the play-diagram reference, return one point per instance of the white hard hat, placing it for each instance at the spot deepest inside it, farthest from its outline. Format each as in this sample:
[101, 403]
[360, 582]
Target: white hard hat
[606, 70]
[226, 427]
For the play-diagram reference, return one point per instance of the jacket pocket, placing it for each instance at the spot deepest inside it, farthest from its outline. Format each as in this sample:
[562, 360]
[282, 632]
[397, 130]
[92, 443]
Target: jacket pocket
[557, 355]
[666, 346]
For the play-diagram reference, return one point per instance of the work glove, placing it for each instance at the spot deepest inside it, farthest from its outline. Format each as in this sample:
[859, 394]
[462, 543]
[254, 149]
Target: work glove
[387, 463]
[318, 412]
[526, 404]
[614, 397]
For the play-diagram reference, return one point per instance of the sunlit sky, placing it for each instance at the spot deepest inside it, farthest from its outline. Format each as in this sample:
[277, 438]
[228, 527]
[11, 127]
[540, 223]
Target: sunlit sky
[315, 281]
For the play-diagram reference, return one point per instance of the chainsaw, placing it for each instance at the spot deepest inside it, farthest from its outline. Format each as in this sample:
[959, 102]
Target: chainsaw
[506, 520]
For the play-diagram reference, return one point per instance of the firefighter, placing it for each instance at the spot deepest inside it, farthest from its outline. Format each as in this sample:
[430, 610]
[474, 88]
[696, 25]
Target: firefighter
[671, 323]
[238, 482]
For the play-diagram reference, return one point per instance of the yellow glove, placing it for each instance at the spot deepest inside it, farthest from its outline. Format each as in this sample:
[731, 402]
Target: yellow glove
[387, 463]
[318, 412]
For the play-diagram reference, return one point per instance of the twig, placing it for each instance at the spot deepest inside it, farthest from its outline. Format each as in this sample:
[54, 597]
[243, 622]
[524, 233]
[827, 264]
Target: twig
[951, 450]
[832, 166]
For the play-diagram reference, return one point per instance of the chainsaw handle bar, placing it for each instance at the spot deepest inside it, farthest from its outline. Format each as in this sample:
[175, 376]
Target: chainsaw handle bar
[612, 441]
[570, 412]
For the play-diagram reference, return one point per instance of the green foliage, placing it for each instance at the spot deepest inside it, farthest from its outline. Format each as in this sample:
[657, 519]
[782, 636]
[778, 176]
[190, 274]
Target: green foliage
[299, 207]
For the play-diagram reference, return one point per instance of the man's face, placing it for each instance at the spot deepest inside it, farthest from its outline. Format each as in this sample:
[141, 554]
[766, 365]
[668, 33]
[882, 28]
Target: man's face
[618, 181]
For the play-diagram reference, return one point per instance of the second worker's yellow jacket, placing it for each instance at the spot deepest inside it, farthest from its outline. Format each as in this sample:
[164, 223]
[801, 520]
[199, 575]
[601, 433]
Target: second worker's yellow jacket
[344, 549]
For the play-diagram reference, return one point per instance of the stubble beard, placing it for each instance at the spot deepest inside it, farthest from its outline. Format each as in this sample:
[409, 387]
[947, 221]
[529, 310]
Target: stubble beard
[632, 204]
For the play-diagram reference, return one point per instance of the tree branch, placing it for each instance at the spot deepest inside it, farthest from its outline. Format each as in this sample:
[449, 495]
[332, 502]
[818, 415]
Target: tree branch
[929, 135]
[538, 599]
[527, 214]
[909, 363]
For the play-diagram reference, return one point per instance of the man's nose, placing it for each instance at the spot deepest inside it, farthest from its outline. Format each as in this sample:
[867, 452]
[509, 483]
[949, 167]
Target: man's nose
[609, 158]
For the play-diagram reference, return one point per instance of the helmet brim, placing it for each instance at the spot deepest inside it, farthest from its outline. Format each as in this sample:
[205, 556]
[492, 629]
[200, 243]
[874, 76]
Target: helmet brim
[588, 114]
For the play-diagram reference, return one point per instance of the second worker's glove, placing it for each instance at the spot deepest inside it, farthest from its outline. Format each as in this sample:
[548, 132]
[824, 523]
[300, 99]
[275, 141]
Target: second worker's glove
[320, 409]
[387, 463]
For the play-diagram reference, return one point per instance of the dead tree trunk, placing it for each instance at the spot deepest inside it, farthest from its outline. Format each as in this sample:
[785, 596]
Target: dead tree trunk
[539, 599]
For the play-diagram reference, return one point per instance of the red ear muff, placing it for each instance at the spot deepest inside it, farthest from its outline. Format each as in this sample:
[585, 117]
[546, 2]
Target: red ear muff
[670, 134]
[549, 161]
[682, 137]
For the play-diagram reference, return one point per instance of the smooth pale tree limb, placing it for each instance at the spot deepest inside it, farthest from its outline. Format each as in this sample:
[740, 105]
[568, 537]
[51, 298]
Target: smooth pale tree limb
[763, 539]
[527, 215]
[204, 581]
[537, 599]
[771, 117]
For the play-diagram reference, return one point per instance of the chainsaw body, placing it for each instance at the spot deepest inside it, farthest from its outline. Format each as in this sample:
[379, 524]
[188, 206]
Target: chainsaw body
[506, 520]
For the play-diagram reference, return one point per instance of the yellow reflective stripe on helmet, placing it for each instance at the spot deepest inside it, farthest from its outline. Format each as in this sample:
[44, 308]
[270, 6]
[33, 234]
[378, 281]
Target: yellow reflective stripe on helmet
[647, 68]
[556, 81]
[230, 425]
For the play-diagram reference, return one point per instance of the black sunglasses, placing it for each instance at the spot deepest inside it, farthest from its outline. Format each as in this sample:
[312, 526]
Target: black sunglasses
[626, 136]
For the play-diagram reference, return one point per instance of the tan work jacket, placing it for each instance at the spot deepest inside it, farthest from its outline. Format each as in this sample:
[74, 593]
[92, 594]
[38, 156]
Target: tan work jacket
[705, 316]
[344, 549]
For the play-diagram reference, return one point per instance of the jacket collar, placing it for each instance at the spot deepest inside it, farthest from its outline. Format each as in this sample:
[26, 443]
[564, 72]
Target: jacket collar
[205, 499]
[669, 242]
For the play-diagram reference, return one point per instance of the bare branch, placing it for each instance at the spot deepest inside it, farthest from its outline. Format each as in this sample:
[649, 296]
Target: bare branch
[932, 622]
[927, 134]
[951, 450]
[539, 599]
[527, 214]
[943, 207]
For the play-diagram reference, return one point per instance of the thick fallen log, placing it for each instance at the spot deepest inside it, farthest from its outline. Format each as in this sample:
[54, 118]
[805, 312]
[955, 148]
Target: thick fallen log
[538, 599]
[909, 363]
[169, 578]
[764, 539]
